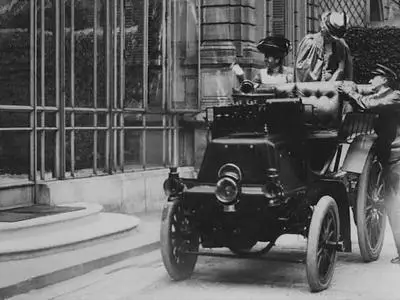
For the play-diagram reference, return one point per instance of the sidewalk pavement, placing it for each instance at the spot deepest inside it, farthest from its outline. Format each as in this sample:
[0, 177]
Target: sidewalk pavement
[22, 276]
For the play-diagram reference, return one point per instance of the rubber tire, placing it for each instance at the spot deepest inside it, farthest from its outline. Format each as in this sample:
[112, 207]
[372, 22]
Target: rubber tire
[177, 271]
[324, 205]
[367, 253]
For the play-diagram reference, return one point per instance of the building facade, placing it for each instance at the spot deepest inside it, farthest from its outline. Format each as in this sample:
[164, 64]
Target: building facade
[98, 98]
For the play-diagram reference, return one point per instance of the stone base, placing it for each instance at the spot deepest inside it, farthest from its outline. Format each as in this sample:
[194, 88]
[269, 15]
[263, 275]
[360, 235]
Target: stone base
[128, 192]
[16, 195]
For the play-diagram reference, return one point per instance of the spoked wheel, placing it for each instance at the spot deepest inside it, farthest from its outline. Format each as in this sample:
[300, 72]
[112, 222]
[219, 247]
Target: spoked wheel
[370, 210]
[176, 238]
[322, 243]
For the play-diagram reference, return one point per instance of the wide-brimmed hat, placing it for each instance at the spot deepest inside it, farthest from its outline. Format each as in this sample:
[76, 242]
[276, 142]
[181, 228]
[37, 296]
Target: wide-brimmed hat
[274, 45]
[385, 71]
[335, 23]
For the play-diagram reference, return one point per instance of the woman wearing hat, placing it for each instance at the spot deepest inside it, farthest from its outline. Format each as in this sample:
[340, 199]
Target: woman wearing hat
[274, 48]
[385, 99]
[325, 56]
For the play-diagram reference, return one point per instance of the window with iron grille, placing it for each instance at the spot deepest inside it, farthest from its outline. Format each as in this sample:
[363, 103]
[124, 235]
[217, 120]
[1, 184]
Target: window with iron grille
[312, 16]
[356, 10]
[85, 86]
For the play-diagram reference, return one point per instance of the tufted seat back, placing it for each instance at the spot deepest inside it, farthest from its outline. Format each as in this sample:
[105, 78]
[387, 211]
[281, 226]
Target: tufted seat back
[321, 103]
[320, 99]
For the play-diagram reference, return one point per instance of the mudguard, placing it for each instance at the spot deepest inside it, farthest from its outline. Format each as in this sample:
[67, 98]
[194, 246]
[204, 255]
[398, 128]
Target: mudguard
[337, 190]
[357, 153]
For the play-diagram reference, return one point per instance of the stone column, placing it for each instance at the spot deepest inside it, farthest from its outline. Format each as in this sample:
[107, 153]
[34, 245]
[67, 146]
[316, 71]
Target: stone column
[228, 35]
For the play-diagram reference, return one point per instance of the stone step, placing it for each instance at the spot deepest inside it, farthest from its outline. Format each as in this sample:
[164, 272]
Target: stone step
[88, 210]
[61, 232]
[22, 276]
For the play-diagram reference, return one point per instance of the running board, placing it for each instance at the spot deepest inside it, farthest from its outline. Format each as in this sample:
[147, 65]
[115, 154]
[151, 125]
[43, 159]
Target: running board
[253, 257]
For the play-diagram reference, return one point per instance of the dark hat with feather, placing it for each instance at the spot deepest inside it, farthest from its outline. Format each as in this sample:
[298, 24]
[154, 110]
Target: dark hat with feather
[274, 45]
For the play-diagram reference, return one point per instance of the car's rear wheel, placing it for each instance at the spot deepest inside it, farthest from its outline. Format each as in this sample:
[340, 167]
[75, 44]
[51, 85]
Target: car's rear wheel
[323, 236]
[370, 210]
[177, 237]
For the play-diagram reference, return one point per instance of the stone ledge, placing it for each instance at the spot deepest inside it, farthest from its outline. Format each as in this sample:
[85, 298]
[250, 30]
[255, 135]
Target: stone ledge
[89, 209]
[43, 239]
[250, 3]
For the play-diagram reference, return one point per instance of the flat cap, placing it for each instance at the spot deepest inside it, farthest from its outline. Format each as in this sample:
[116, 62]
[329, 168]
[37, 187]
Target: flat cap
[385, 71]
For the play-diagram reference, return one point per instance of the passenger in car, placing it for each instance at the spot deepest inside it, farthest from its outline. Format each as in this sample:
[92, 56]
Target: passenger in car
[325, 56]
[385, 99]
[274, 48]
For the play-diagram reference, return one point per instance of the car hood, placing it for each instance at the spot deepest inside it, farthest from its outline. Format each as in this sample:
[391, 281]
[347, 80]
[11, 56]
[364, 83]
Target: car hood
[252, 155]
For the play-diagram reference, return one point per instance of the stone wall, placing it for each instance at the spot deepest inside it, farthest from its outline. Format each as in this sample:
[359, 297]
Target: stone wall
[127, 193]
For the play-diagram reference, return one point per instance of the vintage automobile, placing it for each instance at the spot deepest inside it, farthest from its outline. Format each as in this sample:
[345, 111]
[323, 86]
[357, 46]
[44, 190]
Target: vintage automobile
[282, 160]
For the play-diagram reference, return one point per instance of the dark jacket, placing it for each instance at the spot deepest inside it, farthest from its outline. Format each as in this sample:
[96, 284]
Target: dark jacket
[385, 102]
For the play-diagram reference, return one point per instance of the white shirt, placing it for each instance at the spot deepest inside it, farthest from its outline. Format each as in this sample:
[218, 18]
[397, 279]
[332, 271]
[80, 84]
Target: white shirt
[277, 78]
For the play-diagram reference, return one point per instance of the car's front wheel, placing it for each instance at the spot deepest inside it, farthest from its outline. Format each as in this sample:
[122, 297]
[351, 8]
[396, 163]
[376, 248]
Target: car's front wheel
[177, 238]
[323, 236]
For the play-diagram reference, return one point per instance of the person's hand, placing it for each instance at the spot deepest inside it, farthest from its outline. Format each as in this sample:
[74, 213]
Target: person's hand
[326, 76]
[237, 70]
[346, 87]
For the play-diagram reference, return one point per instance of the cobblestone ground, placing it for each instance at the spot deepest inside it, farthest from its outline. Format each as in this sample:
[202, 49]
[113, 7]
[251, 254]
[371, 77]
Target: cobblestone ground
[279, 275]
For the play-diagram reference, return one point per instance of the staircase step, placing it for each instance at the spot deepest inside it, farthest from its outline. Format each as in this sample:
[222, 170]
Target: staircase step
[59, 232]
[22, 276]
[89, 209]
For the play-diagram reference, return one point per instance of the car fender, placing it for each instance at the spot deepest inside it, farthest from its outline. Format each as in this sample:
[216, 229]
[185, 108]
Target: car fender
[357, 153]
[337, 190]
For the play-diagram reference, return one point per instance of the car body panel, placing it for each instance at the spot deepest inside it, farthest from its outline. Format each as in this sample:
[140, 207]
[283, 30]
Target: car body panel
[357, 153]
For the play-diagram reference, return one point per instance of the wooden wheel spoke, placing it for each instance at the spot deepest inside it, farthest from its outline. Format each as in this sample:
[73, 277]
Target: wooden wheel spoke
[372, 236]
[324, 263]
[328, 227]
[380, 190]
[174, 235]
[319, 261]
[368, 220]
[377, 226]
[375, 234]
[327, 247]
[378, 180]
[371, 233]
[329, 237]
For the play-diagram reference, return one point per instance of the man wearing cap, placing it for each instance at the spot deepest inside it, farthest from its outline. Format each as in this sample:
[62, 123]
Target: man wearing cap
[325, 56]
[385, 100]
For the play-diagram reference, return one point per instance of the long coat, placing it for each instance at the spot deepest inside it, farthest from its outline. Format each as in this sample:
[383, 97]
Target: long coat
[312, 63]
